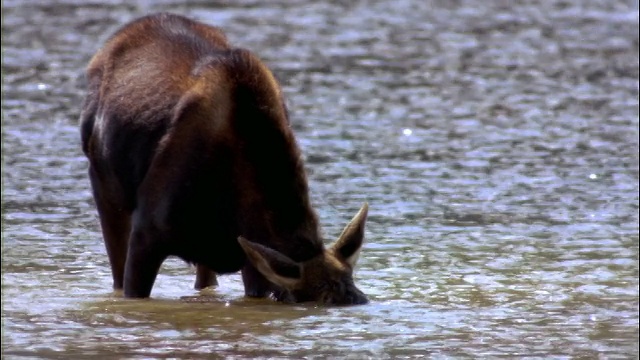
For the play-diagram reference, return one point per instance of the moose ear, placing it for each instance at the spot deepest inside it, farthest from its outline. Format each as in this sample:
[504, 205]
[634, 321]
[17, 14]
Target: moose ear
[348, 245]
[276, 267]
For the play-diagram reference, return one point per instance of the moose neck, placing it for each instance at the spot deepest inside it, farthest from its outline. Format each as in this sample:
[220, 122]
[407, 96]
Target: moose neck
[274, 206]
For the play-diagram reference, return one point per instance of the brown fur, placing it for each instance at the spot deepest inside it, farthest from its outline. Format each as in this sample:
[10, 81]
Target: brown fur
[189, 146]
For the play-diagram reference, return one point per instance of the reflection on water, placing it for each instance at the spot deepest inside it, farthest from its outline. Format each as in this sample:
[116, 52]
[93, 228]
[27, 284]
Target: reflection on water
[497, 143]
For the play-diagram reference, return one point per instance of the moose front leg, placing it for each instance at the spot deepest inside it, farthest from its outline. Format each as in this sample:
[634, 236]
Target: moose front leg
[255, 284]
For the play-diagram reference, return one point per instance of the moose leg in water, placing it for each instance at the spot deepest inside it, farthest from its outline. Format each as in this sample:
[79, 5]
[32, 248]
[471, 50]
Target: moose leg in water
[255, 284]
[205, 277]
[115, 224]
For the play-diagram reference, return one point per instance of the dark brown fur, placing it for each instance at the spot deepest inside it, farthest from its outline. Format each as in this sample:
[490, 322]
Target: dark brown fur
[190, 147]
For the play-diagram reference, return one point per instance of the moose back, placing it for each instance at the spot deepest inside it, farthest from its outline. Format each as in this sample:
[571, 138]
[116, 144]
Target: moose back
[191, 155]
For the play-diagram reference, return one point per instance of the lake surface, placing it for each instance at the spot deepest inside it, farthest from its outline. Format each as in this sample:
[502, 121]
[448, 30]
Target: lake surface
[495, 141]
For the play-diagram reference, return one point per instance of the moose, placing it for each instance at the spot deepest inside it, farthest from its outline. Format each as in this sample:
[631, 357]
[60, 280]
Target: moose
[191, 154]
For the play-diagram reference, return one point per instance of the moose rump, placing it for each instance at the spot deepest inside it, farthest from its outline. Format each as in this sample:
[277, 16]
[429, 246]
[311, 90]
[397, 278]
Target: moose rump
[189, 146]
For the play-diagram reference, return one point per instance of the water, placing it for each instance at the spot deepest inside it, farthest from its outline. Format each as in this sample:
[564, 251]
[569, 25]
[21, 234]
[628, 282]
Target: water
[496, 142]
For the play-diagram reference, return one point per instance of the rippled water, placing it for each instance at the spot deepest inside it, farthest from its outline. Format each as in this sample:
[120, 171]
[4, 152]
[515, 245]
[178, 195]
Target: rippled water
[496, 142]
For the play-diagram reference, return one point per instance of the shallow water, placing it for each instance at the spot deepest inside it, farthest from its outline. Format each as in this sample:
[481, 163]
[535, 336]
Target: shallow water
[496, 142]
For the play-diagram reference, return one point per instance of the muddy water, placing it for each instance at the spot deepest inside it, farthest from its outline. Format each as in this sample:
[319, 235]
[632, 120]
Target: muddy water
[496, 142]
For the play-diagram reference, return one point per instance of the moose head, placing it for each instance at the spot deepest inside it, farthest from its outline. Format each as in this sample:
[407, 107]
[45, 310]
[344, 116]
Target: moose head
[326, 278]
